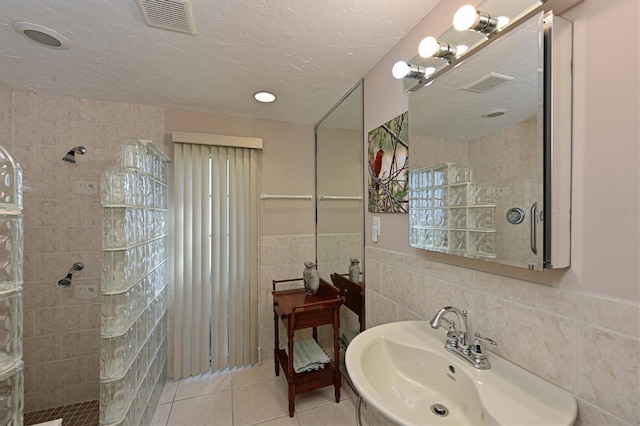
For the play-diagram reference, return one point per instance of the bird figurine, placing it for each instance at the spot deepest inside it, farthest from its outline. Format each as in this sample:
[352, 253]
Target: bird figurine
[310, 278]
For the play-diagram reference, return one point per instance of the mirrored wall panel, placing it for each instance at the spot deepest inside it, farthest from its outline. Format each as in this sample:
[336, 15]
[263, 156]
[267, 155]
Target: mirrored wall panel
[477, 136]
[339, 207]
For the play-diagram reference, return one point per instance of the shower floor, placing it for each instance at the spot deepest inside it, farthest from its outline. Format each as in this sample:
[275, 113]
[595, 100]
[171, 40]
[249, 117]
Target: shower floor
[79, 414]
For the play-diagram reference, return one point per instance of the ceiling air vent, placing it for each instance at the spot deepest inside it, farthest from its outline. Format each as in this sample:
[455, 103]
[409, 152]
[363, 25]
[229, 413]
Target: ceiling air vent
[175, 15]
[488, 82]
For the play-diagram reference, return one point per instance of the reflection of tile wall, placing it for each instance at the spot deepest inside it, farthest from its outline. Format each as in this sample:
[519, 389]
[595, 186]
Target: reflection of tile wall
[515, 157]
[335, 252]
[334, 255]
[62, 225]
[582, 343]
[281, 258]
[500, 159]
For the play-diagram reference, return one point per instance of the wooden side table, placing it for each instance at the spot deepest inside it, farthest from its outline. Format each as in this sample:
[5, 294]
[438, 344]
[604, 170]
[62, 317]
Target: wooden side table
[297, 310]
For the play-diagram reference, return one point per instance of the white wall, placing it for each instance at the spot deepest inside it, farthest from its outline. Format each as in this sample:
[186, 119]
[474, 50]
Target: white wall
[600, 356]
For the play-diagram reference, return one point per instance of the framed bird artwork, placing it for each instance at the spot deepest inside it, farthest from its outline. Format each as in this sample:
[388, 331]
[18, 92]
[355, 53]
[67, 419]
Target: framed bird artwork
[388, 166]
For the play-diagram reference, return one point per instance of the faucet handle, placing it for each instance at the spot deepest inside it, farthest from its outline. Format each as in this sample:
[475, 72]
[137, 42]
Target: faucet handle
[479, 338]
[452, 334]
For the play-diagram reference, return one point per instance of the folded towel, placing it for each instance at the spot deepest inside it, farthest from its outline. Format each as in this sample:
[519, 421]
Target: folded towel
[308, 356]
[345, 339]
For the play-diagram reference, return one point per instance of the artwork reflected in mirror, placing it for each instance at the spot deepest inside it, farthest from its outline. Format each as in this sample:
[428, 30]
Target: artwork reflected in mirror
[388, 166]
[477, 165]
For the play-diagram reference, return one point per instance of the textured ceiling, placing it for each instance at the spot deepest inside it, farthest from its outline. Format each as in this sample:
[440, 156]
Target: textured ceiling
[308, 52]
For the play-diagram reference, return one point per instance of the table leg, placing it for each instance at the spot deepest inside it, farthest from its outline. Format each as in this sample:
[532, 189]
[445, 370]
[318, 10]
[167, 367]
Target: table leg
[290, 372]
[276, 344]
[292, 398]
[336, 353]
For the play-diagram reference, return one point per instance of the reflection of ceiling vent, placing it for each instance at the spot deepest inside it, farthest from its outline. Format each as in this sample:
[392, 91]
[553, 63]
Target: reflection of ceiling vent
[488, 82]
[176, 15]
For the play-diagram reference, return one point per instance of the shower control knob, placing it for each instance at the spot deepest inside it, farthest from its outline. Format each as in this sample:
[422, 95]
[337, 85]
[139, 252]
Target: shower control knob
[515, 215]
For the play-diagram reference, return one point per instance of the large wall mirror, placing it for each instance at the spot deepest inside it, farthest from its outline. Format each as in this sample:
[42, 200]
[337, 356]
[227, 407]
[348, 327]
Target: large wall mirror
[339, 206]
[482, 153]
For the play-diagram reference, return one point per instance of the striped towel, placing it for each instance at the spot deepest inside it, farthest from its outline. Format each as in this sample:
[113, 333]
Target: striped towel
[345, 339]
[308, 356]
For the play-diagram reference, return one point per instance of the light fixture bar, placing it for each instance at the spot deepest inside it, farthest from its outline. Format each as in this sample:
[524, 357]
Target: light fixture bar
[540, 7]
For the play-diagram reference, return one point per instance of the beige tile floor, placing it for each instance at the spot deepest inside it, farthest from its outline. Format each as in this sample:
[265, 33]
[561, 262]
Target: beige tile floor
[249, 396]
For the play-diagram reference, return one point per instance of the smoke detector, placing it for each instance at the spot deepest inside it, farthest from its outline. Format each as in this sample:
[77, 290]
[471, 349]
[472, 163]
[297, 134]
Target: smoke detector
[174, 15]
[488, 82]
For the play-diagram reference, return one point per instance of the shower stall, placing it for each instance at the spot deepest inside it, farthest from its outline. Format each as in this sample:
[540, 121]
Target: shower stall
[133, 291]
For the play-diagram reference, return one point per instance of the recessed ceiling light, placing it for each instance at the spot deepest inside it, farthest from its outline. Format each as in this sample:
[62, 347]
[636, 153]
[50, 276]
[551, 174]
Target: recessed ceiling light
[42, 35]
[264, 97]
[494, 113]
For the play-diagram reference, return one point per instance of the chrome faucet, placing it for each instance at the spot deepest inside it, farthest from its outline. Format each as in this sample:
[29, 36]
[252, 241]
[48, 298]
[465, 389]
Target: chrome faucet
[457, 342]
[460, 336]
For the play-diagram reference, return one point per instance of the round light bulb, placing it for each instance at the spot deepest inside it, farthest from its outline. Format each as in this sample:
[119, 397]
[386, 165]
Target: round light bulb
[503, 21]
[465, 18]
[400, 70]
[265, 97]
[428, 47]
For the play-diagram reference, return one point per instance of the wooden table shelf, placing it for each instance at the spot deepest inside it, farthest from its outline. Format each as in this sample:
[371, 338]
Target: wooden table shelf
[297, 310]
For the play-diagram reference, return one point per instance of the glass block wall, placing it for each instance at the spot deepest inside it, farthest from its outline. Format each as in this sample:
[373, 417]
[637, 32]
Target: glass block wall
[133, 347]
[11, 255]
[450, 213]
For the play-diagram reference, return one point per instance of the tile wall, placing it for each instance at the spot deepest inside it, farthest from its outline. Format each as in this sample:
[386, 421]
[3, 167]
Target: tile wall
[281, 257]
[586, 344]
[62, 224]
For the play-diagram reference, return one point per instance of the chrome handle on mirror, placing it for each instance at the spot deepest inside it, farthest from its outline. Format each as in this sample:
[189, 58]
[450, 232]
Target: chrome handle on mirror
[532, 217]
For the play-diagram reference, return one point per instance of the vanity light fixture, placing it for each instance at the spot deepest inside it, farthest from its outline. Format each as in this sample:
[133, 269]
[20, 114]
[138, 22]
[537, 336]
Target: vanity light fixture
[431, 48]
[403, 69]
[470, 18]
[264, 96]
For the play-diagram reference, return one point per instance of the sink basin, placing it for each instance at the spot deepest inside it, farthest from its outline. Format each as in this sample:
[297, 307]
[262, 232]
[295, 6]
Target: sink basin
[403, 370]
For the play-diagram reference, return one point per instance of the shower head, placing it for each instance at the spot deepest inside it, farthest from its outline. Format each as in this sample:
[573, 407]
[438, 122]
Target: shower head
[71, 155]
[66, 281]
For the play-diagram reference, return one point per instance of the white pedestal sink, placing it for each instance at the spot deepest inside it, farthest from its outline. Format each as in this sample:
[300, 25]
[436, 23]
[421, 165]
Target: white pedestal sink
[403, 370]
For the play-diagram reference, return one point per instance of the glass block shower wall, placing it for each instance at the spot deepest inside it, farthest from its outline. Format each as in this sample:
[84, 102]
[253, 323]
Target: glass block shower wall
[133, 351]
[11, 245]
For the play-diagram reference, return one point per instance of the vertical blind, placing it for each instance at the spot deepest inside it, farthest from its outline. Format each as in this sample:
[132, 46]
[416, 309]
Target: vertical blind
[216, 257]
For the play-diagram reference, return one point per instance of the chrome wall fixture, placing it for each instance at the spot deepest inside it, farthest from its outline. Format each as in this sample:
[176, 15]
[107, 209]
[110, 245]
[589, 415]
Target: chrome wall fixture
[429, 47]
[403, 69]
[70, 157]
[470, 18]
[66, 281]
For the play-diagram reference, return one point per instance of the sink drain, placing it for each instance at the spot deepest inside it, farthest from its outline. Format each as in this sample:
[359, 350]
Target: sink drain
[439, 410]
